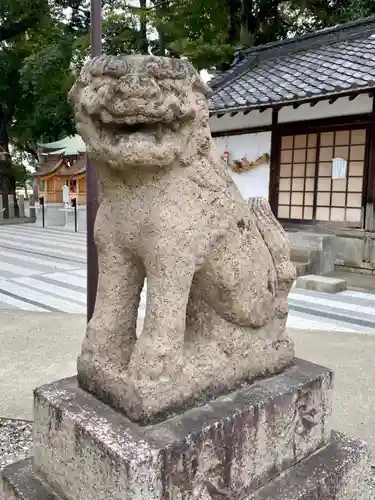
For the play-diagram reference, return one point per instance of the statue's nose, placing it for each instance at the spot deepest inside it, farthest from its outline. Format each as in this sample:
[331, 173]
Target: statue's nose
[133, 85]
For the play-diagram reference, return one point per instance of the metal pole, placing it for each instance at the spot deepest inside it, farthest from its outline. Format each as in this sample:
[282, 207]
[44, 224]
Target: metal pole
[74, 203]
[41, 202]
[92, 181]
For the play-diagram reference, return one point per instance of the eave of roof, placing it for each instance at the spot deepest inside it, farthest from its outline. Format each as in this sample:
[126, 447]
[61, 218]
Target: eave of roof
[47, 170]
[68, 146]
[240, 88]
[312, 100]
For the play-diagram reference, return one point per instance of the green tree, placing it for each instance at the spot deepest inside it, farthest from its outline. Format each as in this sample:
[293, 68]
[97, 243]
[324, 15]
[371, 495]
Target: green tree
[35, 76]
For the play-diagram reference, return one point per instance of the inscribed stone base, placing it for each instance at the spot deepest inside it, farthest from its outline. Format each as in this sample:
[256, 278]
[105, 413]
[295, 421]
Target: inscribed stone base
[338, 471]
[235, 444]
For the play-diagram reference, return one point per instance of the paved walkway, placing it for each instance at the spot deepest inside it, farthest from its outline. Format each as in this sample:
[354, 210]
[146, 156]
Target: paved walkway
[44, 270]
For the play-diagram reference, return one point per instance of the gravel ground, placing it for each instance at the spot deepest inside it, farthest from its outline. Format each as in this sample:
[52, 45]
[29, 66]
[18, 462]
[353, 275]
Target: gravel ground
[371, 485]
[15, 440]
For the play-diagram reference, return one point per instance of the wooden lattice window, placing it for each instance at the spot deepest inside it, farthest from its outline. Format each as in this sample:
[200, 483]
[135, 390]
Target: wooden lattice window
[340, 200]
[297, 174]
[307, 189]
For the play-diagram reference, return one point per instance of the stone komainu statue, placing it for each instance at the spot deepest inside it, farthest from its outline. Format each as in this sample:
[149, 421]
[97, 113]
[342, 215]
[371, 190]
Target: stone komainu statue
[217, 267]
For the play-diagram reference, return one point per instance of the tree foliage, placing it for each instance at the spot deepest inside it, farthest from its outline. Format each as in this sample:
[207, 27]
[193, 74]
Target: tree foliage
[43, 42]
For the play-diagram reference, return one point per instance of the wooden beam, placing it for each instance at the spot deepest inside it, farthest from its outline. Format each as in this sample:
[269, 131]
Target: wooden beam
[247, 112]
[313, 103]
[331, 101]
[315, 195]
[233, 113]
[353, 96]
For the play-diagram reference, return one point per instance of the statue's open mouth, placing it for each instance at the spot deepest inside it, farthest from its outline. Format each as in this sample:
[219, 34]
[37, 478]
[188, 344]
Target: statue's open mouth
[136, 127]
[128, 128]
[152, 128]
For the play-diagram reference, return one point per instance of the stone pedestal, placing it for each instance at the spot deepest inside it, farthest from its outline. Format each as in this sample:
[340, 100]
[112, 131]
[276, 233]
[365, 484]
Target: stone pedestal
[32, 213]
[269, 440]
[11, 212]
[21, 206]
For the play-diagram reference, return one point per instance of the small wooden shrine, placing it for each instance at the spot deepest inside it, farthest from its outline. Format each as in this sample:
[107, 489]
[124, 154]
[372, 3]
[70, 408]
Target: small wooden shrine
[62, 163]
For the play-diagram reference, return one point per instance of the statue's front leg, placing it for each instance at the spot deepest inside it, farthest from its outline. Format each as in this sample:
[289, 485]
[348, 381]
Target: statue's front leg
[111, 333]
[159, 350]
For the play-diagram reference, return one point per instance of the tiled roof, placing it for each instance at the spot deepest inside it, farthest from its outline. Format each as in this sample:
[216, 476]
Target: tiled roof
[48, 167]
[69, 146]
[79, 167]
[330, 62]
[61, 168]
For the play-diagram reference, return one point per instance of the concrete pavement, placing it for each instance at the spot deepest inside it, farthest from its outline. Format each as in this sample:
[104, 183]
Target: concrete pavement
[351, 356]
[37, 348]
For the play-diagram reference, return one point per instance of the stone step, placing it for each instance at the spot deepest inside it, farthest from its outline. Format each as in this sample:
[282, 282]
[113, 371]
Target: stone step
[266, 427]
[321, 283]
[321, 247]
[302, 268]
[305, 260]
[338, 471]
[18, 482]
[300, 254]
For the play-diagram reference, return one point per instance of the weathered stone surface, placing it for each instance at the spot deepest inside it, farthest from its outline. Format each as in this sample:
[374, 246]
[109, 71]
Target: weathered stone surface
[321, 283]
[218, 270]
[339, 471]
[85, 450]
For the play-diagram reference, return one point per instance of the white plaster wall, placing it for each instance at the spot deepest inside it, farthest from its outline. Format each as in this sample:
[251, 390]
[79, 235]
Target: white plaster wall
[341, 107]
[238, 121]
[255, 182]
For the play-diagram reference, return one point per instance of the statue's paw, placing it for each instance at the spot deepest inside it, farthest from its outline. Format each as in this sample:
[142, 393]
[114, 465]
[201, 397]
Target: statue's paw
[154, 364]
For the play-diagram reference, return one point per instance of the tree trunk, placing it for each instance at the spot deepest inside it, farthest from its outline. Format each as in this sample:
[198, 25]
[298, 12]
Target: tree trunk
[160, 11]
[234, 8]
[143, 27]
[7, 182]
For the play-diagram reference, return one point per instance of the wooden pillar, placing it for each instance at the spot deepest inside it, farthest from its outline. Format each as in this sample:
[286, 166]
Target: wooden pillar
[369, 176]
[274, 163]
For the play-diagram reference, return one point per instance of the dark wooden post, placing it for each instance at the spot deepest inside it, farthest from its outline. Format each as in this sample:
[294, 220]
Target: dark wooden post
[274, 163]
[92, 181]
[369, 178]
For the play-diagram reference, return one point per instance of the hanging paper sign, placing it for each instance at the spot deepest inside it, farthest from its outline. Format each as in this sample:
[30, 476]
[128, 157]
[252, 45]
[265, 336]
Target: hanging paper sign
[339, 168]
